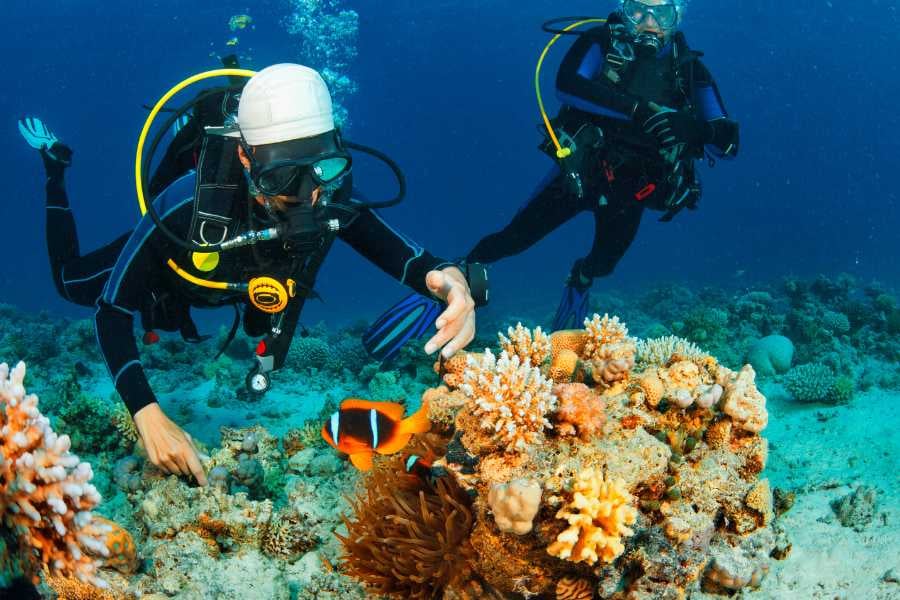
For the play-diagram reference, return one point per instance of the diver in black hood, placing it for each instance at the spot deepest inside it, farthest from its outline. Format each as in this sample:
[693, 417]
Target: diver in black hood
[639, 107]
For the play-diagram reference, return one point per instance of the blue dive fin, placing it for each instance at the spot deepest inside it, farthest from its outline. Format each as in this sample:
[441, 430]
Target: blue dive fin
[408, 319]
[573, 307]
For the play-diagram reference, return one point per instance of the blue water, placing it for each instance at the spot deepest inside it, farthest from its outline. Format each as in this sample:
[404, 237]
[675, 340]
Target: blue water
[446, 89]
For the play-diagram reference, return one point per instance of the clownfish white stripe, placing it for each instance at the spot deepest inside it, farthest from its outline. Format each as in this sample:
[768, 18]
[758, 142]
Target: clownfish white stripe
[411, 461]
[335, 425]
[373, 423]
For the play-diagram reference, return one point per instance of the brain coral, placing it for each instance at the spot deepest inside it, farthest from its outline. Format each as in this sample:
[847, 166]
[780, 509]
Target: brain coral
[771, 354]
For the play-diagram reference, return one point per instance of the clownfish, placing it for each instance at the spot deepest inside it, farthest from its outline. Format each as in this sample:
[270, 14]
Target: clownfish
[420, 467]
[360, 428]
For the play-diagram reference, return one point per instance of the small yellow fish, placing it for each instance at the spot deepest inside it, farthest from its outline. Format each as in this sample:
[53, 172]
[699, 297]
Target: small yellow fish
[239, 22]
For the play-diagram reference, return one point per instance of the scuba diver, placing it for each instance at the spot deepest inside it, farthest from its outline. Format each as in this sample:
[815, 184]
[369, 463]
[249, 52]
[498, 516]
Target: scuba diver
[638, 108]
[249, 228]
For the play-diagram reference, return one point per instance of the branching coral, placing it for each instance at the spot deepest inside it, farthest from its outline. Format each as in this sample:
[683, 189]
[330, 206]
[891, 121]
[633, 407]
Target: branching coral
[533, 346]
[407, 539]
[598, 515]
[607, 339]
[45, 492]
[658, 351]
[511, 398]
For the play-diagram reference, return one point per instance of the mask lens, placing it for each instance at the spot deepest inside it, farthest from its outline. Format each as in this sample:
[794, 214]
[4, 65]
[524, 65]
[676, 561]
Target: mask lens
[636, 11]
[329, 169]
[665, 15]
[276, 180]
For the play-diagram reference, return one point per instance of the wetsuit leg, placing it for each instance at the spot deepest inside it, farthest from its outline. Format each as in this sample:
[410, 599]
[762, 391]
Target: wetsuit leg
[79, 279]
[615, 228]
[548, 208]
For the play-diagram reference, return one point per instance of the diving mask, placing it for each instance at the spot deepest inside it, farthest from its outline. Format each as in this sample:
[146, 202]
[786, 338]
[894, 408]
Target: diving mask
[637, 12]
[280, 169]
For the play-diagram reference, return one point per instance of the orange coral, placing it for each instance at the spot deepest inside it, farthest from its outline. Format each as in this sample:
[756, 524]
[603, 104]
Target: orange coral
[563, 366]
[407, 539]
[653, 388]
[46, 496]
[122, 554]
[567, 339]
[452, 369]
[598, 516]
[579, 411]
[443, 405]
[68, 588]
[570, 588]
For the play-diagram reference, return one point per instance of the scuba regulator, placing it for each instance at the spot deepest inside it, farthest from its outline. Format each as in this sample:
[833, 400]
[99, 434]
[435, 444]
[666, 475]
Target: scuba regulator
[303, 227]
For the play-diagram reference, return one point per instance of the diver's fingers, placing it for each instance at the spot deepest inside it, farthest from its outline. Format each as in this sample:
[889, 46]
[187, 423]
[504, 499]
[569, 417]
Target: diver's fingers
[465, 335]
[166, 464]
[444, 335]
[195, 468]
[459, 302]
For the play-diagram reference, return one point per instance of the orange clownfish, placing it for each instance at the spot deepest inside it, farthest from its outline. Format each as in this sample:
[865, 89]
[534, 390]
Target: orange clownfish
[360, 428]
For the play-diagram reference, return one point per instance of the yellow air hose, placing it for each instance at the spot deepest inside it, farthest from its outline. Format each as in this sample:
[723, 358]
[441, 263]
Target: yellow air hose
[138, 160]
[560, 151]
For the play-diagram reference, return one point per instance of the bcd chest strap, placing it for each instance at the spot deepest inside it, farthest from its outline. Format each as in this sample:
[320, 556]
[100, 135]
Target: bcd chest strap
[217, 190]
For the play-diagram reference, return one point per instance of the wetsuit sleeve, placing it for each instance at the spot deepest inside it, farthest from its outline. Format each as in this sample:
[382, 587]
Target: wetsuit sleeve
[725, 139]
[134, 282]
[581, 83]
[391, 251]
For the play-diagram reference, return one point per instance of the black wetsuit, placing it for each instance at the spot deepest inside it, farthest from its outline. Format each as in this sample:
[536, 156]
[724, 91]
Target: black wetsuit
[130, 275]
[626, 174]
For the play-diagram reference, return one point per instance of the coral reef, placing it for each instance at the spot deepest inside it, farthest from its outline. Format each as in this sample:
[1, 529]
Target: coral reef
[46, 495]
[621, 488]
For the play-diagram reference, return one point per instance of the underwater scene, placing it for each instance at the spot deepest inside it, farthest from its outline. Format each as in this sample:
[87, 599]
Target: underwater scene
[346, 299]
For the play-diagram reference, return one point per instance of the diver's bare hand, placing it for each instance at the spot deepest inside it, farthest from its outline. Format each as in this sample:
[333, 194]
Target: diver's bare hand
[168, 446]
[456, 325]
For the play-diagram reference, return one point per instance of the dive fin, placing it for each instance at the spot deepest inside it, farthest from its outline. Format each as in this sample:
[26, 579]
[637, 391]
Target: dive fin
[408, 319]
[572, 307]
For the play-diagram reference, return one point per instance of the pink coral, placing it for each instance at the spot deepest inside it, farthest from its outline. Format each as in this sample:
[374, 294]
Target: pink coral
[46, 496]
[580, 411]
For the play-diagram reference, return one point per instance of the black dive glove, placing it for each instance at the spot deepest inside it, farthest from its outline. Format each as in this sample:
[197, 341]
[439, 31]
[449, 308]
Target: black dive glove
[726, 136]
[56, 155]
[675, 129]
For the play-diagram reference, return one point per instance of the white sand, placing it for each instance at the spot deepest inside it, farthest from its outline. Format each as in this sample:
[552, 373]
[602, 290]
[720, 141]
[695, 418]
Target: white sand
[823, 453]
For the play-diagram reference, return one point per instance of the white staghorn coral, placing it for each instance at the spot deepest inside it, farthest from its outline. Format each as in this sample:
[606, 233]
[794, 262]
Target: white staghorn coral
[528, 345]
[656, 352]
[511, 398]
[46, 496]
